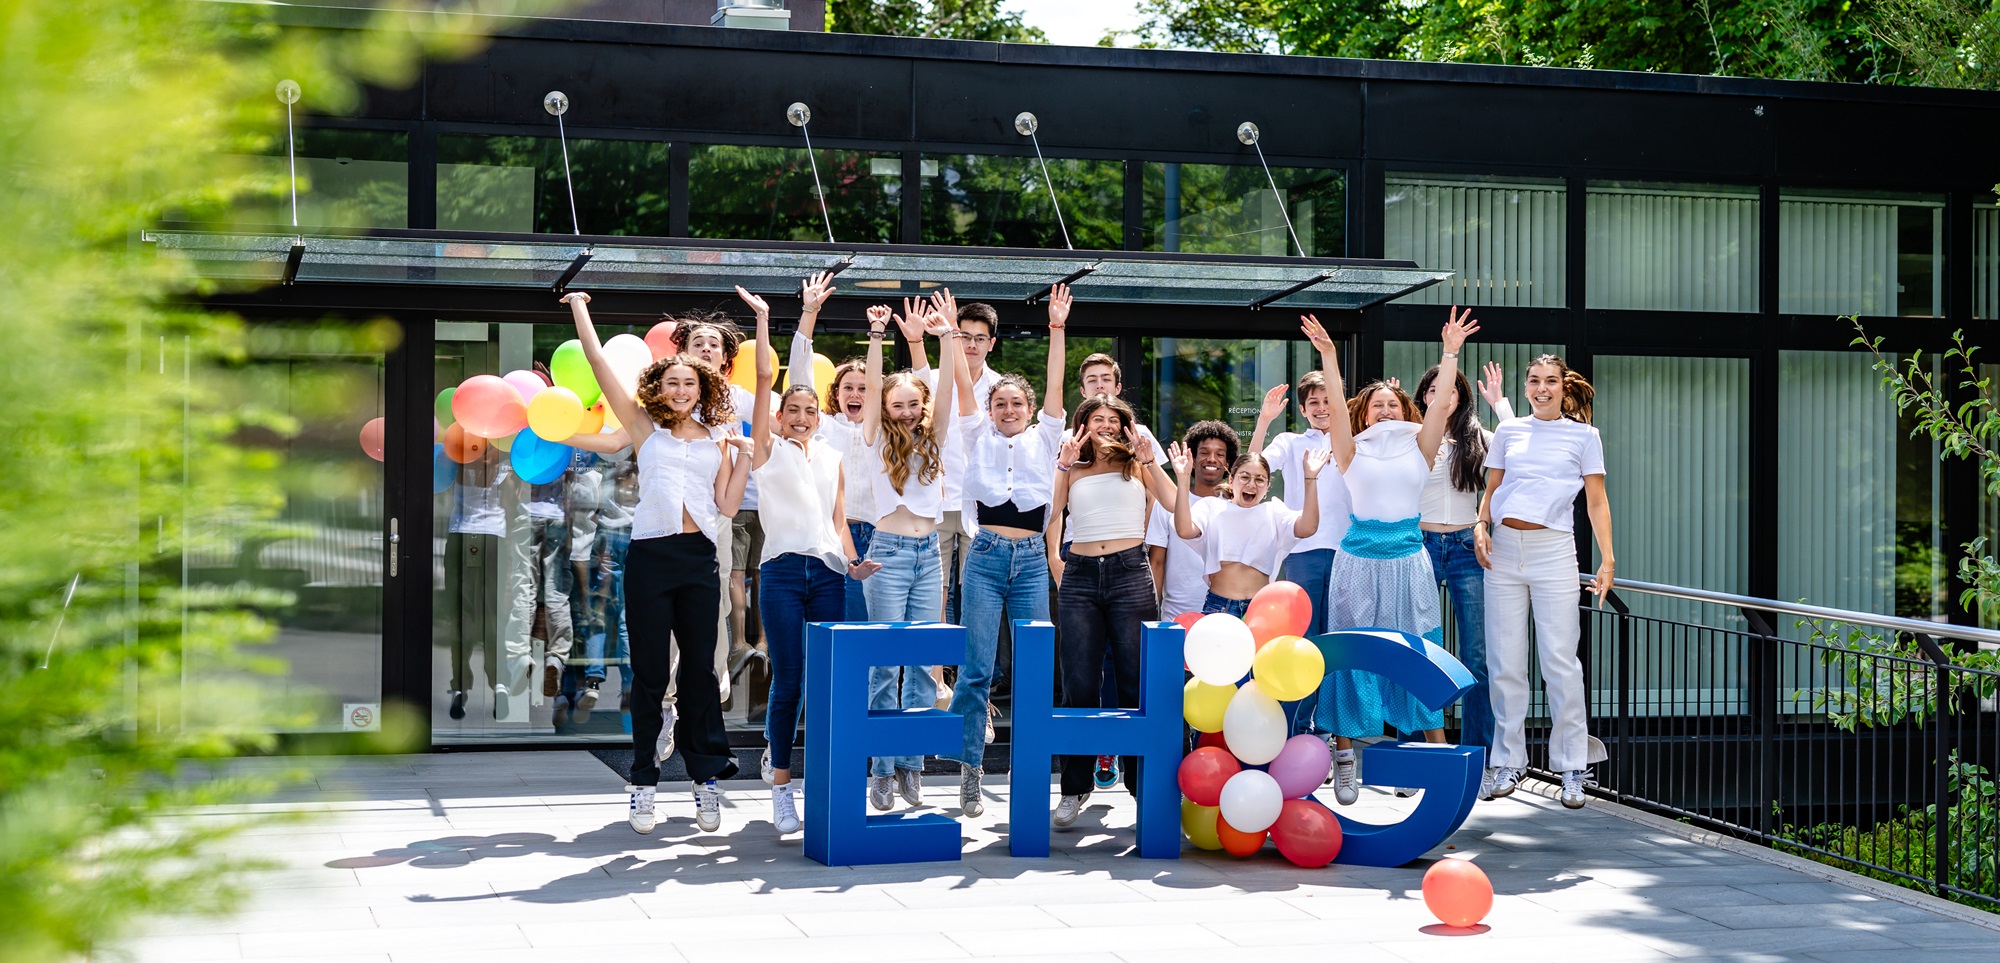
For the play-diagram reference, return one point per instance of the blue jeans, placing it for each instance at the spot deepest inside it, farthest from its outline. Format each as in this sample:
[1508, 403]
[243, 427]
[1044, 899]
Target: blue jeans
[1005, 578]
[1312, 571]
[796, 589]
[857, 601]
[909, 588]
[1457, 567]
[1216, 603]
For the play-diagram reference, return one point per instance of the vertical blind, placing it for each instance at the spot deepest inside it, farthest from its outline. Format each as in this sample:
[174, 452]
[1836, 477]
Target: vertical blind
[1408, 360]
[1986, 262]
[1671, 248]
[1843, 256]
[1504, 240]
[1836, 482]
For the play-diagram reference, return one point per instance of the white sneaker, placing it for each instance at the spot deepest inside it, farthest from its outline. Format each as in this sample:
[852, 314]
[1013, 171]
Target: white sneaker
[664, 746]
[1404, 792]
[585, 701]
[640, 813]
[764, 767]
[1486, 783]
[785, 808]
[708, 806]
[1346, 783]
[943, 695]
[910, 783]
[1068, 809]
[881, 793]
[969, 801]
[990, 713]
[1505, 780]
[1572, 790]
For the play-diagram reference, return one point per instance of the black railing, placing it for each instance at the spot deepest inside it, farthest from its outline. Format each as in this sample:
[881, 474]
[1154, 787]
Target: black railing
[1867, 742]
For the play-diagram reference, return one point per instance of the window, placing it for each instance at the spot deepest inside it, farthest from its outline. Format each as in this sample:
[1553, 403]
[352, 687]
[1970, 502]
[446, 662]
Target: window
[515, 185]
[1986, 262]
[1199, 379]
[766, 194]
[1505, 239]
[991, 201]
[347, 179]
[1671, 247]
[1860, 255]
[1227, 209]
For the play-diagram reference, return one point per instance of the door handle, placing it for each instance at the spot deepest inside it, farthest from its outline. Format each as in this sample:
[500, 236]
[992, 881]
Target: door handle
[395, 539]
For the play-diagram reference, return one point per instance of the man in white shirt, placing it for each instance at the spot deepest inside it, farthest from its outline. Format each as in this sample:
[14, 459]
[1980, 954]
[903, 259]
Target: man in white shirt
[1178, 567]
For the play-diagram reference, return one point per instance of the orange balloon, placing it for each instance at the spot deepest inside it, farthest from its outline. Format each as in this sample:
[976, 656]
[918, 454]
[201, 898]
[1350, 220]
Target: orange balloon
[1457, 892]
[1280, 608]
[593, 420]
[1236, 842]
[462, 446]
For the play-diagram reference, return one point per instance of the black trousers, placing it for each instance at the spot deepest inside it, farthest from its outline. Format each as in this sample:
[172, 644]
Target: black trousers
[1101, 606]
[673, 597]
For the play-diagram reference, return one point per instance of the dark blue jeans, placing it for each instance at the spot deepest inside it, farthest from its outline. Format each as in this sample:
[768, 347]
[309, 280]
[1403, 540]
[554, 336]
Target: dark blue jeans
[796, 589]
[1312, 571]
[1457, 568]
[1101, 605]
[857, 603]
[1216, 603]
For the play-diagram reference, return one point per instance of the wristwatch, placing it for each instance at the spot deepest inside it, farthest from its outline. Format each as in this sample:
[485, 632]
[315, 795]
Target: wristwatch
[853, 562]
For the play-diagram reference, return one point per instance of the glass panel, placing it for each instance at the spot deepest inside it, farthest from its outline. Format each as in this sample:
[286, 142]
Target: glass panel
[766, 194]
[1986, 262]
[993, 201]
[1860, 255]
[1671, 247]
[317, 558]
[515, 185]
[1231, 209]
[347, 179]
[1506, 239]
[1224, 379]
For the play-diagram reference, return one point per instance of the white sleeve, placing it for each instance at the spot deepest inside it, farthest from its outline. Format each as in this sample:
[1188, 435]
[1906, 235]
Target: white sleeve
[1277, 448]
[1504, 410]
[799, 368]
[1159, 528]
[1592, 455]
[1496, 450]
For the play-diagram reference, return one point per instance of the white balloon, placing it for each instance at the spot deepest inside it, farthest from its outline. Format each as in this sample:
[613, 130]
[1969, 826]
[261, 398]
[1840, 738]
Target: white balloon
[1251, 801]
[1220, 649]
[629, 357]
[1254, 728]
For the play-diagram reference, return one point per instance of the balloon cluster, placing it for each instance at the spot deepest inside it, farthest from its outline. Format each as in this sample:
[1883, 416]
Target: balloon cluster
[1246, 781]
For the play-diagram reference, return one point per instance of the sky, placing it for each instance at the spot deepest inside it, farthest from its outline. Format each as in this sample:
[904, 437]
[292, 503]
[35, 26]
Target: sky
[1076, 23]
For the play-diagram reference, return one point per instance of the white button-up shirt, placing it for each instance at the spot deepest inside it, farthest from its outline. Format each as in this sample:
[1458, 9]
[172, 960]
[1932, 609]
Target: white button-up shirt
[1021, 469]
[677, 474]
[1286, 453]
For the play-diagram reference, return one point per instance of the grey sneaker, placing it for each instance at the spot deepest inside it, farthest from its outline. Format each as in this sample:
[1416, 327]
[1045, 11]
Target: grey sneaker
[1404, 792]
[910, 783]
[1572, 790]
[585, 701]
[1505, 780]
[640, 812]
[708, 806]
[969, 800]
[785, 808]
[1486, 783]
[881, 793]
[1346, 783]
[764, 767]
[1068, 809]
[664, 746]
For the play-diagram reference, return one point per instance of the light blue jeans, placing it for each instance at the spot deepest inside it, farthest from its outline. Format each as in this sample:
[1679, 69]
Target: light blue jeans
[1005, 578]
[909, 588]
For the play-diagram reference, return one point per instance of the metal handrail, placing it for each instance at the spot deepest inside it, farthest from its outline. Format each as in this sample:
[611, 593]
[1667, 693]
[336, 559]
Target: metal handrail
[1894, 623]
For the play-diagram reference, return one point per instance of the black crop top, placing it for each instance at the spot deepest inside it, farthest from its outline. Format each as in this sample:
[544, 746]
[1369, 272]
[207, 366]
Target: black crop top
[1006, 515]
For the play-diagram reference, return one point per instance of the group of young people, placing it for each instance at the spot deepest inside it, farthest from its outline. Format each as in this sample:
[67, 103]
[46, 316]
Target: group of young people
[865, 482]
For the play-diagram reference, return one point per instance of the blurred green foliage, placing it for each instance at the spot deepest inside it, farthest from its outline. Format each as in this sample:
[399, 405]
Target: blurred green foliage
[937, 19]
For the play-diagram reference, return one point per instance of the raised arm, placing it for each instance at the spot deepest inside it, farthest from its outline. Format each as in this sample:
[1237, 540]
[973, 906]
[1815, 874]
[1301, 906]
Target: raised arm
[812, 295]
[1052, 394]
[1456, 330]
[1274, 405]
[1308, 521]
[1184, 524]
[1340, 433]
[633, 417]
[871, 403]
[760, 419]
[1151, 474]
[912, 323]
[1599, 505]
[944, 403]
[1493, 387]
[732, 474]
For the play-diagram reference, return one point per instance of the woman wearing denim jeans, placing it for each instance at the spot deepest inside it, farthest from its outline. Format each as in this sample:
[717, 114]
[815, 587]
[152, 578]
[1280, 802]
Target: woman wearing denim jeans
[1010, 478]
[903, 432]
[1449, 507]
[1107, 476]
[842, 403]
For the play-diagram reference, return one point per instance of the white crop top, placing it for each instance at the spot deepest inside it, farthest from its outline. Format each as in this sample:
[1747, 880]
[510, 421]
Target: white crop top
[1385, 481]
[1106, 506]
[805, 483]
[1443, 503]
[676, 474]
[1259, 536]
[923, 501]
[1545, 462]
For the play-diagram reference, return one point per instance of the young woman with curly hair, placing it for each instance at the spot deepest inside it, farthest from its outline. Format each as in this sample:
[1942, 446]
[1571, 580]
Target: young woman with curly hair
[689, 484]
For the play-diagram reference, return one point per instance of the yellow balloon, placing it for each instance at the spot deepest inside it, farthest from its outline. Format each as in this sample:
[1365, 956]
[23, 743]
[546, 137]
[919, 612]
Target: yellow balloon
[593, 420]
[1288, 668]
[555, 413]
[1203, 704]
[743, 372]
[1198, 822]
[822, 373]
[502, 444]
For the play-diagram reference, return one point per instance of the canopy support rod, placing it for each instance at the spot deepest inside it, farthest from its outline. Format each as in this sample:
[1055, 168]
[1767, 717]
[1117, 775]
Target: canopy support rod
[799, 115]
[1071, 278]
[293, 259]
[569, 273]
[288, 94]
[556, 102]
[1247, 133]
[1026, 124]
[1259, 304]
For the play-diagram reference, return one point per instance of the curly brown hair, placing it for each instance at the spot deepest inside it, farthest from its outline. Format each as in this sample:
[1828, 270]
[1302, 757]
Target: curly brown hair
[732, 336]
[1115, 451]
[905, 444]
[713, 408]
[1357, 406]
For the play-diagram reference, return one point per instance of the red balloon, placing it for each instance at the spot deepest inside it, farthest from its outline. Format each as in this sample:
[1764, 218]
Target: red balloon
[1204, 771]
[371, 438]
[489, 407]
[1187, 620]
[1457, 892]
[661, 340]
[1237, 842]
[1212, 740]
[1307, 834]
[1280, 608]
[462, 446]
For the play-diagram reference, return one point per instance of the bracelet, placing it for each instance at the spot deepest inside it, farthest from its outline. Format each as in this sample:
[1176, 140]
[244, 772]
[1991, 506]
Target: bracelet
[853, 563]
[1451, 354]
[1061, 467]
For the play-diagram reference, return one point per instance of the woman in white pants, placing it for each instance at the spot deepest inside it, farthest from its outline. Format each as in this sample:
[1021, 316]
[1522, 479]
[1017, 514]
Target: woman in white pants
[1534, 470]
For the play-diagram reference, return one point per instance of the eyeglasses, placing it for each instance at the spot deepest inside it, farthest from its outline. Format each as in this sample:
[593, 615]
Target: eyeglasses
[981, 339]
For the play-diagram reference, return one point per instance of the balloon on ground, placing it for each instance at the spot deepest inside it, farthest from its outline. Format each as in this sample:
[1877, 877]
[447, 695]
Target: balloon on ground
[1236, 842]
[1306, 833]
[1457, 892]
[1198, 824]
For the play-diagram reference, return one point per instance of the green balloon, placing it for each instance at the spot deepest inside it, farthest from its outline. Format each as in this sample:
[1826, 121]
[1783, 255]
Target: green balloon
[442, 408]
[571, 370]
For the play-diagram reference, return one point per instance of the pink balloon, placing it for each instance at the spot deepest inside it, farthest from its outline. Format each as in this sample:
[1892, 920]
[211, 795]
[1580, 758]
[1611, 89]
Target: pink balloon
[528, 383]
[489, 407]
[661, 340]
[1301, 766]
[371, 438]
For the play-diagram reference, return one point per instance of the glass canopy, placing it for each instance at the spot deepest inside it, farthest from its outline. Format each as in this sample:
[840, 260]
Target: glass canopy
[558, 263]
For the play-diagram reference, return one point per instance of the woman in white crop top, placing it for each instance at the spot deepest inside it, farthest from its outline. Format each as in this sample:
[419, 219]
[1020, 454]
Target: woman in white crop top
[1534, 470]
[689, 485]
[1450, 506]
[1107, 476]
[1381, 576]
[1244, 538]
[903, 433]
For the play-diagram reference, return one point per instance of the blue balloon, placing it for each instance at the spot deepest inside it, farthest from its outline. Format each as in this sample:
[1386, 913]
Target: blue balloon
[444, 471]
[537, 460]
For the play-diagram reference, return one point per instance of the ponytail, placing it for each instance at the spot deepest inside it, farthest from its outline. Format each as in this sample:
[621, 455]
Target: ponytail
[1577, 392]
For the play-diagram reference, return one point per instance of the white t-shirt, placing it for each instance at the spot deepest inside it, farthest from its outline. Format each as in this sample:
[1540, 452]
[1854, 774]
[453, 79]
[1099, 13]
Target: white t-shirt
[1259, 536]
[835, 430]
[1186, 576]
[1545, 462]
[1287, 453]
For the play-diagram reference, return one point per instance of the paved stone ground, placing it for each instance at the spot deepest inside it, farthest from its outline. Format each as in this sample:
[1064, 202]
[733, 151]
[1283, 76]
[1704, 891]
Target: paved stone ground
[504, 857]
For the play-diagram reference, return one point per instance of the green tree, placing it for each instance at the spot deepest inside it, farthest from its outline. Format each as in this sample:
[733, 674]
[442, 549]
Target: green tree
[935, 19]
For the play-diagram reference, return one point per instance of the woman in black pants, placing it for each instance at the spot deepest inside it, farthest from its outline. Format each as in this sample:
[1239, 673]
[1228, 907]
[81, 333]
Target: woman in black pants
[689, 485]
[1107, 477]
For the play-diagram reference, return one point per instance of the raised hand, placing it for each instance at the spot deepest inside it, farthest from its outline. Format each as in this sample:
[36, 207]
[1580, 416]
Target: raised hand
[1059, 302]
[1181, 458]
[817, 289]
[757, 304]
[878, 316]
[1315, 332]
[1274, 403]
[1142, 447]
[737, 442]
[1316, 460]
[913, 320]
[1071, 450]
[942, 303]
[943, 325]
[1492, 384]
[1460, 327]
[1393, 382]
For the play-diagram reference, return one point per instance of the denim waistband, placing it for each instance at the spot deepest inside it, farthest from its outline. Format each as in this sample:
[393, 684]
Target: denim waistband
[1034, 541]
[894, 540]
[1137, 551]
[1367, 538]
[1216, 603]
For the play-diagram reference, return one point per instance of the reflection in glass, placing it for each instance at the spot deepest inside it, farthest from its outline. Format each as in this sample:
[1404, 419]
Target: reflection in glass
[1671, 247]
[1197, 379]
[993, 201]
[1505, 239]
[1230, 209]
[1844, 254]
[1986, 262]
[347, 179]
[766, 194]
[515, 185]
